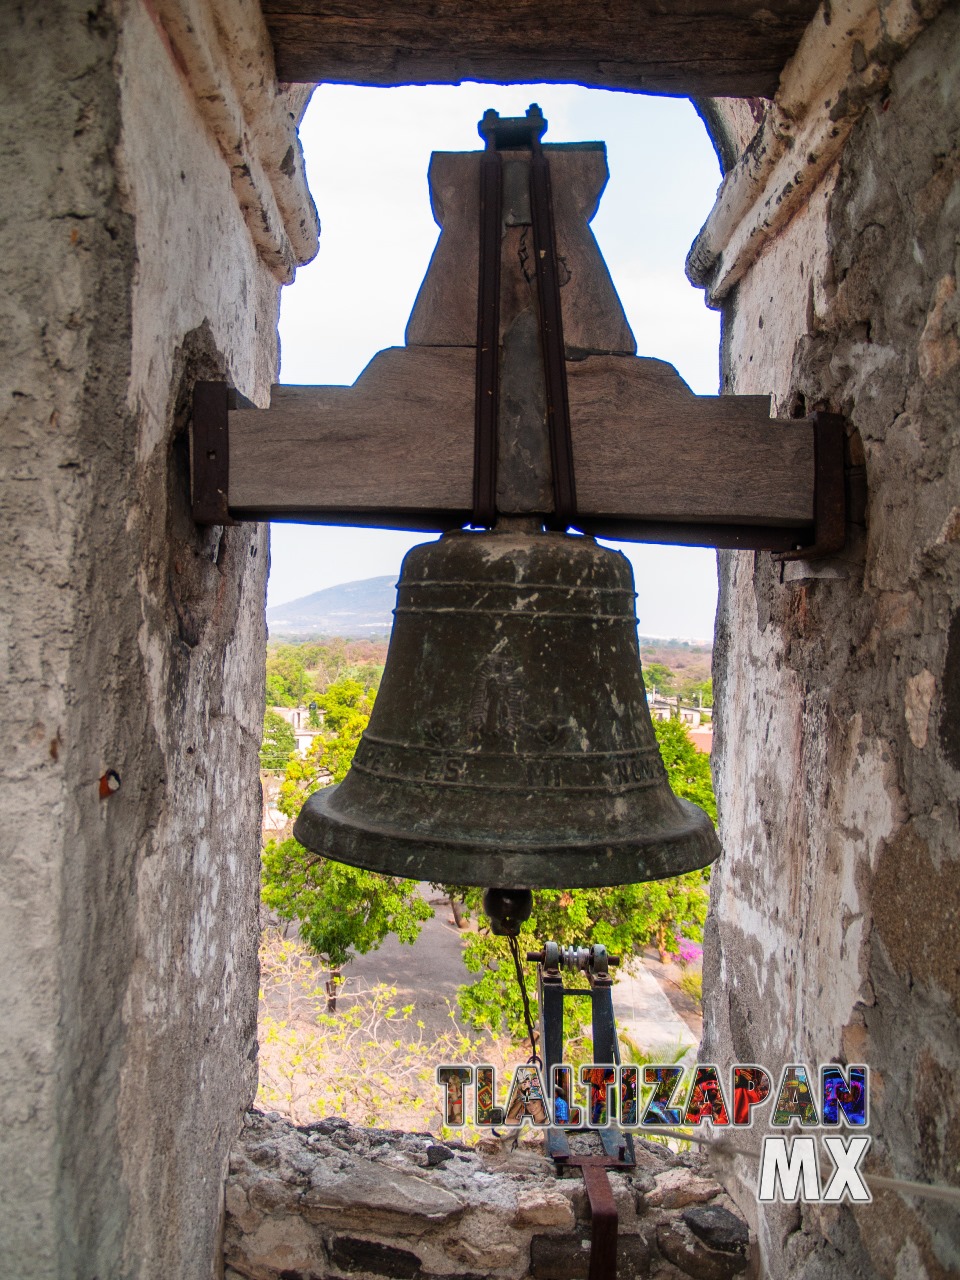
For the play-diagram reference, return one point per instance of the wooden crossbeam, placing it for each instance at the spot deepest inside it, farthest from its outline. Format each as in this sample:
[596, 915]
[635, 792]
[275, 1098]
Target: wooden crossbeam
[653, 460]
[696, 48]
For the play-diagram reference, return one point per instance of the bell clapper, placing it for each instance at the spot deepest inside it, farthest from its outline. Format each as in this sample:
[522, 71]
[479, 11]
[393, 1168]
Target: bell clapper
[507, 909]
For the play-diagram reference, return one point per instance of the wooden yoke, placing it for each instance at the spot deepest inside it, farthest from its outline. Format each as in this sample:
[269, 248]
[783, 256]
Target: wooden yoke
[653, 462]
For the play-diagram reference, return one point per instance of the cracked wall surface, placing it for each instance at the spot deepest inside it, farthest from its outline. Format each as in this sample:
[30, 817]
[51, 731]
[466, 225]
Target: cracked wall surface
[131, 641]
[834, 931]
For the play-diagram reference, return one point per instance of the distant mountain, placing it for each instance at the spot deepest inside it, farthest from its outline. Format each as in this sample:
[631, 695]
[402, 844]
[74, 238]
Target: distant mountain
[364, 609]
[354, 610]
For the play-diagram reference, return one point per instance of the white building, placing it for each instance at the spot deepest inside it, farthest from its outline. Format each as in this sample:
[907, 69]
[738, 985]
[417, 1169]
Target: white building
[298, 719]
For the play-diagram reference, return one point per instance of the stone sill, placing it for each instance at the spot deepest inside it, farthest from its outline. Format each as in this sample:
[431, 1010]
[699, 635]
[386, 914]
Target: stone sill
[331, 1200]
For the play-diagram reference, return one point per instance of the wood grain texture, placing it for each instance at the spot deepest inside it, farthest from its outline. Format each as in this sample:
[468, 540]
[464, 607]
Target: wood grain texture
[445, 310]
[400, 439]
[646, 447]
[396, 449]
[734, 48]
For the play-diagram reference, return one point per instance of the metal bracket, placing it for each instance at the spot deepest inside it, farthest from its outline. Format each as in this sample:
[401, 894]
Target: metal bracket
[210, 450]
[510, 134]
[829, 490]
[604, 1218]
[617, 1146]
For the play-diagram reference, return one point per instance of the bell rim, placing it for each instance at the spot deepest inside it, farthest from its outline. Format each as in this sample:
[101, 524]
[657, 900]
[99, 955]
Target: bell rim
[559, 865]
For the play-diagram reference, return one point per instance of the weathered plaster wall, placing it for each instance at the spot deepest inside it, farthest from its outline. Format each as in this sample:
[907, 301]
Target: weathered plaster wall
[131, 641]
[835, 924]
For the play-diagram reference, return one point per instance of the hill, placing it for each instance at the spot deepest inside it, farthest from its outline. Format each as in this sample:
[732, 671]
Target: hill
[364, 610]
[687, 659]
[354, 610]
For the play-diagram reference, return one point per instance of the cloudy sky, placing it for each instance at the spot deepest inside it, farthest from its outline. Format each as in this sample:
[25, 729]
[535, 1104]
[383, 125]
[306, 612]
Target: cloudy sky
[367, 152]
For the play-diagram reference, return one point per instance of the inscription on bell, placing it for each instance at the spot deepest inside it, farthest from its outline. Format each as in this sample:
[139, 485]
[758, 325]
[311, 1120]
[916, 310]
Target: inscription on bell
[509, 770]
[444, 769]
[544, 773]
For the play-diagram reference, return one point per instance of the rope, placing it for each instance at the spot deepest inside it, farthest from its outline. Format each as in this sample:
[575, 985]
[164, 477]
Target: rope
[527, 1016]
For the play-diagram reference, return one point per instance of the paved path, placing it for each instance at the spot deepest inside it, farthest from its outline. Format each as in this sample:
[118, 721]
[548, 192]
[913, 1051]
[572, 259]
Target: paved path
[429, 973]
[426, 974]
[648, 1017]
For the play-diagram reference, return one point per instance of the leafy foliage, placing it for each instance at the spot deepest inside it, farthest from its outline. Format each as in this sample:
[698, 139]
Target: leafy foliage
[287, 681]
[279, 742]
[697, 692]
[341, 910]
[346, 704]
[372, 1063]
[659, 677]
[624, 919]
[687, 768]
[300, 673]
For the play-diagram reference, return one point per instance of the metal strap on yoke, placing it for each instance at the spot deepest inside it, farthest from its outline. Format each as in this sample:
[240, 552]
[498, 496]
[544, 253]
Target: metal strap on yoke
[517, 134]
[488, 331]
[551, 339]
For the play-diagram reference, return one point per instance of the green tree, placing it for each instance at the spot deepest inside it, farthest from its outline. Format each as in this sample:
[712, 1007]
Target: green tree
[687, 768]
[341, 911]
[624, 918]
[278, 744]
[277, 693]
[369, 674]
[326, 760]
[298, 672]
[346, 703]
[698, 692]
[659, 677]
[287, 680]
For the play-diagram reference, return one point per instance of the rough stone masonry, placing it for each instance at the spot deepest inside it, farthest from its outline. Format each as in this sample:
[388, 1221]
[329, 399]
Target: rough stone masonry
[330, 1200]
[834, 929]
[142, 246]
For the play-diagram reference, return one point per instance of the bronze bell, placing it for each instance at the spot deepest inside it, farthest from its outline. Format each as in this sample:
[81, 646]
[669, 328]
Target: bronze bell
[510, 744]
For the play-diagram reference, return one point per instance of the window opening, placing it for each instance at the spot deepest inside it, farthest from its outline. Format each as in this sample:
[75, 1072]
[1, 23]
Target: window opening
[367, 153]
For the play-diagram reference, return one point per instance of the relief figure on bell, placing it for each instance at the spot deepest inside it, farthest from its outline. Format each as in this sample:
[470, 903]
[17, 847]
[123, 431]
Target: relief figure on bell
[496, 707]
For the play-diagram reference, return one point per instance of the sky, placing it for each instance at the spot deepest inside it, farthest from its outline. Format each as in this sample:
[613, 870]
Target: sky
[367, 153]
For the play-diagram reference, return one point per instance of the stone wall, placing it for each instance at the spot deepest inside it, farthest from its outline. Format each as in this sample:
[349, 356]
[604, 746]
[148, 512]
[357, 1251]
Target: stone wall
[131, 639]
[153, 201]
[835, 922]
[330, 1200]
